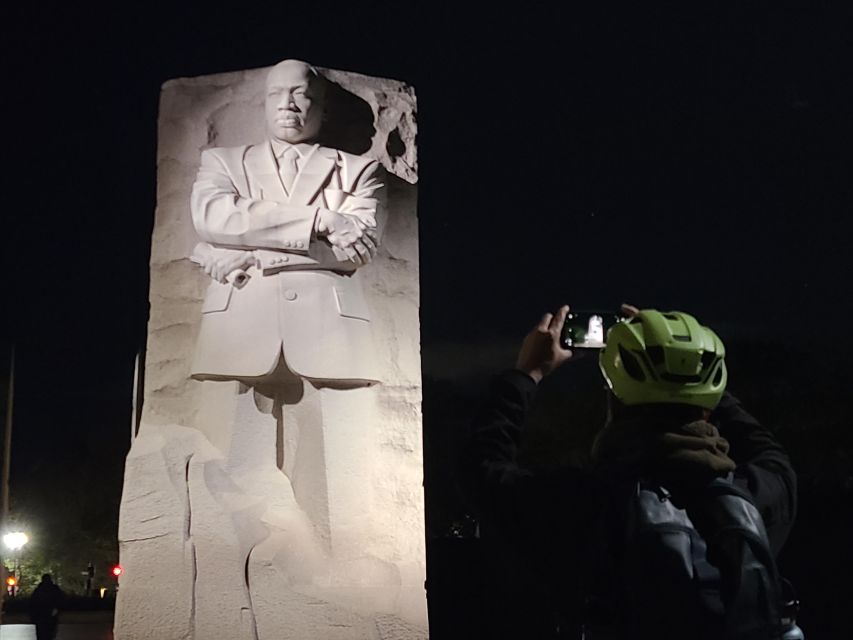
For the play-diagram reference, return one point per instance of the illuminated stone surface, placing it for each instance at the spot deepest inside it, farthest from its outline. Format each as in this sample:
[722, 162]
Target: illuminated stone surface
[266, 496]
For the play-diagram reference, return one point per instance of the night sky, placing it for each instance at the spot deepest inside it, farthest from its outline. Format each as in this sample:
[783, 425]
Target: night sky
[679, 158]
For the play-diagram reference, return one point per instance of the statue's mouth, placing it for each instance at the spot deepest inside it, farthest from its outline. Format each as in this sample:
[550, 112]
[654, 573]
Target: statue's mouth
[289, 121]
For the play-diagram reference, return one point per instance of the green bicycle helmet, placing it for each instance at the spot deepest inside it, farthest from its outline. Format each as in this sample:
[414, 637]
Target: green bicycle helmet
[664, 357]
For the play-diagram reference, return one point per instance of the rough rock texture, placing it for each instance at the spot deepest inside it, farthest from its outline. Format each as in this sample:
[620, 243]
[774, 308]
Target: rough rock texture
[215, 552]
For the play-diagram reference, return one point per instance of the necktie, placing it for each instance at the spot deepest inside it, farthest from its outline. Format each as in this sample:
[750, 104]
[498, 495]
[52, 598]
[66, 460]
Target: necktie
[287, 167]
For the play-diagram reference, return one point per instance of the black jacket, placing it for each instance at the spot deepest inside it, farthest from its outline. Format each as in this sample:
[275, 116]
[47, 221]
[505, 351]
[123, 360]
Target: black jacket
[539, 526]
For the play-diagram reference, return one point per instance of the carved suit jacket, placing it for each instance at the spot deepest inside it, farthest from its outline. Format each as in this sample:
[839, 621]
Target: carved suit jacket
[300, 300]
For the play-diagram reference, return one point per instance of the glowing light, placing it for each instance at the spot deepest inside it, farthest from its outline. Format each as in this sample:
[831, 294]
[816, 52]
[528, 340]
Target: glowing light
[117, 570]
[11, 581]
[14, 540]
[103, 592]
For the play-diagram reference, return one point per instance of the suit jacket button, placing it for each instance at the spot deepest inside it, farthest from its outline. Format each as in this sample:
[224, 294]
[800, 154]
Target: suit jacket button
[290, 294]
[283, 259]
[299, 244]
[287, 243]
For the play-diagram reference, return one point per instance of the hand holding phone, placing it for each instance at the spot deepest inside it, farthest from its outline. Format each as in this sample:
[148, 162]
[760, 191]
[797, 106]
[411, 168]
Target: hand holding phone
[540, 351]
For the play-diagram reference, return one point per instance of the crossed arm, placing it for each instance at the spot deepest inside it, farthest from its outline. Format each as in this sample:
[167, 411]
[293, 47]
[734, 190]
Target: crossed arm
[235, 225]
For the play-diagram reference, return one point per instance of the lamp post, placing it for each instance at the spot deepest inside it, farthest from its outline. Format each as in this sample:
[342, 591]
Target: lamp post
[15, 541]
[6, 461]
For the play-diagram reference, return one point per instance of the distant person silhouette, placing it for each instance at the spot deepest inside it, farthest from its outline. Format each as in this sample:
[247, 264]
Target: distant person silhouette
[44, 608]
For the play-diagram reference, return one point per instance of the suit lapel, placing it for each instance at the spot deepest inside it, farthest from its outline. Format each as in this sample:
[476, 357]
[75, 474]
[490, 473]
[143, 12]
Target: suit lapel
[313, 175]
[263, 172]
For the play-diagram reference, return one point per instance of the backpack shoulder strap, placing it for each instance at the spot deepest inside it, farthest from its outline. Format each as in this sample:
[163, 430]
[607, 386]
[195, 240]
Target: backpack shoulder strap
[738, 546]
[672, 590]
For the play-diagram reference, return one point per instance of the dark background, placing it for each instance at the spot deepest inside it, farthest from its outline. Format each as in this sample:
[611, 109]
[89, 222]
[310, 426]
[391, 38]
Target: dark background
[676, 158]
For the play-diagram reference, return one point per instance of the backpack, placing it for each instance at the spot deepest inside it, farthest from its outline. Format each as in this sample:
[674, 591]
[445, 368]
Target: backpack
[705, 571]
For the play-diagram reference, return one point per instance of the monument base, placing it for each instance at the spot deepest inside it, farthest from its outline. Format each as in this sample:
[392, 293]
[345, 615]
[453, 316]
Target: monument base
[215, 556]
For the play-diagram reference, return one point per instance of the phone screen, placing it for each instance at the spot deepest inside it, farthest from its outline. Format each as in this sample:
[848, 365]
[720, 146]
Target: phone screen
[587, 329]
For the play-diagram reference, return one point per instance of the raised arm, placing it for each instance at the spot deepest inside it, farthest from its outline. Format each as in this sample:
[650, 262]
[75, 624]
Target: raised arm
[489, 473]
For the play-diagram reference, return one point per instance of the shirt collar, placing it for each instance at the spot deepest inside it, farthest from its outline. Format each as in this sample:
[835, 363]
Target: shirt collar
[279, 147]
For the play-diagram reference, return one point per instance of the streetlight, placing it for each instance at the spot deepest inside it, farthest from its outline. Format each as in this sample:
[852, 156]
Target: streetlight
[15, 541]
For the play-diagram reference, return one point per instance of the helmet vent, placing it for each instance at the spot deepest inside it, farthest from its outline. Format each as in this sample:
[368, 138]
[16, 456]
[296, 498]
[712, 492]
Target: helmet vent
[718, 377]
[681, 338]
[632, 366]
[655, 355]
[680, 379]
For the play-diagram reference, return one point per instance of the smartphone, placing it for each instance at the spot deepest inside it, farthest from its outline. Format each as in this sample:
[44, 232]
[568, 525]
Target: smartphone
[587, 329]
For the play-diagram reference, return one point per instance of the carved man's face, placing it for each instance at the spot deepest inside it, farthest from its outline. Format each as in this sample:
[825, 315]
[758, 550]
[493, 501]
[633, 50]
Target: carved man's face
[294, 102]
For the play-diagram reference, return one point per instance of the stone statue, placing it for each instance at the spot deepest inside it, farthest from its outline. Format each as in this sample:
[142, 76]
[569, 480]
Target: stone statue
[278, 495]
[286, 225]
[299, 219]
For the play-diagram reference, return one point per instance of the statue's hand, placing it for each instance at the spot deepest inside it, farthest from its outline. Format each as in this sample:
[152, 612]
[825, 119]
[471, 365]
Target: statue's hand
[364, 219]
[360, 252]
[340, 229]
[219, 264]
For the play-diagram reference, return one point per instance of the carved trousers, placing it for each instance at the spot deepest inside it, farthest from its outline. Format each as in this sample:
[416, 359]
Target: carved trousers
[313, 436]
